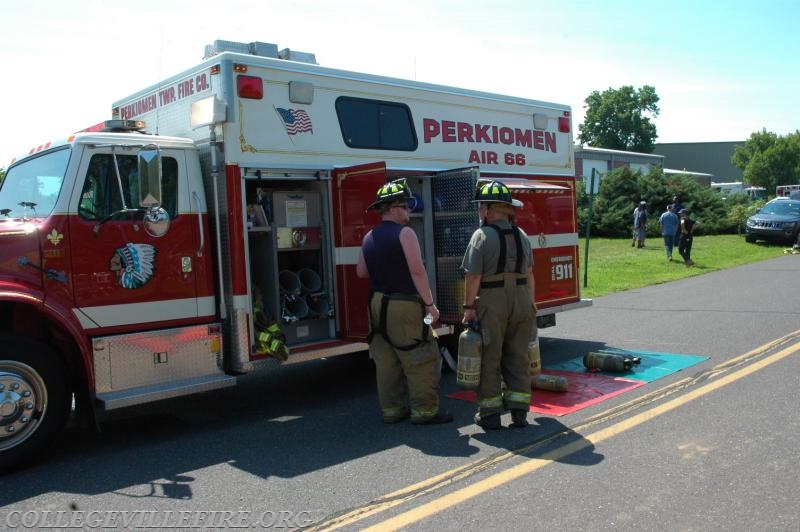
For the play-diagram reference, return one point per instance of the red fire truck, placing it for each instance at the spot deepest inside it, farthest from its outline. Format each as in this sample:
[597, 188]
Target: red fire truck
[213, 228]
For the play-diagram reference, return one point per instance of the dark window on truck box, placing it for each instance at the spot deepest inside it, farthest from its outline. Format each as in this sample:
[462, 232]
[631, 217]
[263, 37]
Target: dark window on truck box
[375, 124]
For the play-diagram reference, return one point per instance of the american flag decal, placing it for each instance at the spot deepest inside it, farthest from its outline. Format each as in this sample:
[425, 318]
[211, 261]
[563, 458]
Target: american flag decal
[295, 120]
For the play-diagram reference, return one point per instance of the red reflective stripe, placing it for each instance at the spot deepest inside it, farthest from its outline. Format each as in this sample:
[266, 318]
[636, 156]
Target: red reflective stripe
[236, 230]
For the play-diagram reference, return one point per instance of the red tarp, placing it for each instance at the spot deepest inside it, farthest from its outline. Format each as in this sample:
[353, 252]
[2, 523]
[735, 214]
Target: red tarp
[585, 389]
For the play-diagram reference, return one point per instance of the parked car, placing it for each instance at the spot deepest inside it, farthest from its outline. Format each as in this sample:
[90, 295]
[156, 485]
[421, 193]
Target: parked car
[778, 221]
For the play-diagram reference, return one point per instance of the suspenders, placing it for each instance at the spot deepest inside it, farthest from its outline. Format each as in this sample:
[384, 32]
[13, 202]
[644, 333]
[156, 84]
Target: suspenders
[501, 264]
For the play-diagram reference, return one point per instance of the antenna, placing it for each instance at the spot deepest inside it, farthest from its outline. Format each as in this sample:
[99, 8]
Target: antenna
[160, 78]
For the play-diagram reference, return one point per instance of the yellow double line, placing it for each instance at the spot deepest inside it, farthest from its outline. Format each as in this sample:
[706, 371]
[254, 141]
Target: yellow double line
[753, 360]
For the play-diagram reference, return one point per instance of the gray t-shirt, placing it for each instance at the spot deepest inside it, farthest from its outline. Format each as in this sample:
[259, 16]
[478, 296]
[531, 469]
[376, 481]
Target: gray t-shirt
[483, 252]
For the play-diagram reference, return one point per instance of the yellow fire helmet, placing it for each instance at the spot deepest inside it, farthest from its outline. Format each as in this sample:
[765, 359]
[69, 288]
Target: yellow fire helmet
[496, 192]
[392, 191]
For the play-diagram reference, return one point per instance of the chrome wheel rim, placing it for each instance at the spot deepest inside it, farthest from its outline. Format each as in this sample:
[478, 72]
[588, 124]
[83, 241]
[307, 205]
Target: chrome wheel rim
[23, 401]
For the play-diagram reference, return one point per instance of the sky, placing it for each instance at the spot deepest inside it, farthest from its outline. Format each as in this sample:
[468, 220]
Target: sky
[722, 70]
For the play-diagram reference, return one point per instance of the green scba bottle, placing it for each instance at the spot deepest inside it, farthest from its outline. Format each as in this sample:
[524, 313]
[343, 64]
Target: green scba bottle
[553, 383]
[610, 361]
[470, 350]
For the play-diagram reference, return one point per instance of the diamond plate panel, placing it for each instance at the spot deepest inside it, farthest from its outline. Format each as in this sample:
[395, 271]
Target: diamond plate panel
[455, 218]
[140, 359]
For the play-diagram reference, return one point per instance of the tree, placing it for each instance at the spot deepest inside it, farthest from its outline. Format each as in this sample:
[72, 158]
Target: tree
[769, 160]
[622, 189]
[2, 175]
[740, 208]
[619, 119]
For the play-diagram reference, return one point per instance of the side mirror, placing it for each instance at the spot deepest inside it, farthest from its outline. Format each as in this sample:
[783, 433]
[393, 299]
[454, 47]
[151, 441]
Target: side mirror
[149, 176]
[156, 221]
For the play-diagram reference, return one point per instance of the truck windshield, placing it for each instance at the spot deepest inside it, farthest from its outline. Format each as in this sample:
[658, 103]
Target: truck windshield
[31, 188]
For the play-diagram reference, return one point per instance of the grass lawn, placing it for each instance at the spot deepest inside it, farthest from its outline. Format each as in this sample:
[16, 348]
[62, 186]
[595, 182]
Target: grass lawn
[615, 266]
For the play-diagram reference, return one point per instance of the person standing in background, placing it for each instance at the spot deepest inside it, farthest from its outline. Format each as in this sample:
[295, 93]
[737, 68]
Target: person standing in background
[677, 207]
[639, 224]
[669, 226]
[687, 226]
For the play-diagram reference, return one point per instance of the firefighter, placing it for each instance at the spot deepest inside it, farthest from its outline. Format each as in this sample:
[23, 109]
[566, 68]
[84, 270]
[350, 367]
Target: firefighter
[403, 346]
[498, 270]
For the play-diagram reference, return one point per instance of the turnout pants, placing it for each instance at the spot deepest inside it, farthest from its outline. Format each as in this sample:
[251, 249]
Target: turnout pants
[507, 321]
[408, 379]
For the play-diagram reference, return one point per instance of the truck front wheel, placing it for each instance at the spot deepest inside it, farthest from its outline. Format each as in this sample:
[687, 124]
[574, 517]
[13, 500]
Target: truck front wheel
[34, 399]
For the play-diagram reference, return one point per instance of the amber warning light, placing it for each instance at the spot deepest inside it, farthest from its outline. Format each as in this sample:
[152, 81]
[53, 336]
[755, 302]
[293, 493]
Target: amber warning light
[115, 126]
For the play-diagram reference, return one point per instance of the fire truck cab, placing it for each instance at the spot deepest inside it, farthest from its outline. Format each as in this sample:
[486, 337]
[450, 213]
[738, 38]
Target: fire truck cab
[213, 228]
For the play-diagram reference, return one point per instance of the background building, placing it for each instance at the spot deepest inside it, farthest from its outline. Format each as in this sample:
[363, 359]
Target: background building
[604, 160]
[701, 177]
[707, 162]
[702, 157]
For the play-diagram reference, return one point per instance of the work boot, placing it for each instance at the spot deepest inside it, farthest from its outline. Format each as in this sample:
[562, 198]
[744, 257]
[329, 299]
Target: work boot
[519, 418]
[490, 422]
[396, 419]
[438, 419]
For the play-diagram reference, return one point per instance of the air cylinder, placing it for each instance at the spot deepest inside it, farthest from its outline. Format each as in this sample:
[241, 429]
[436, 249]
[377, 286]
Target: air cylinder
[470, 350]
[553, 383]
[609, 362]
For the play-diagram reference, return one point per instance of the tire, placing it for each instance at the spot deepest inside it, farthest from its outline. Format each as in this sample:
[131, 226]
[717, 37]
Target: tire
[34, 399]
[749, 238]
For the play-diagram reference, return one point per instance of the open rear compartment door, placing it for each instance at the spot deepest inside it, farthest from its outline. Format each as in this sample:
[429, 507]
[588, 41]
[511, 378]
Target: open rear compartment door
[354, 190]
[455, 218]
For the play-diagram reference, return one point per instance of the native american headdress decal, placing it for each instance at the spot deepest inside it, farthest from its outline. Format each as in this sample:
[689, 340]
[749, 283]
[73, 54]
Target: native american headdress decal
[134, 264]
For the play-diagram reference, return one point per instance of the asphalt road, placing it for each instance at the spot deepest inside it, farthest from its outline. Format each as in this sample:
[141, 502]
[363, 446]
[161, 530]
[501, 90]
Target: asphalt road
[712, 447]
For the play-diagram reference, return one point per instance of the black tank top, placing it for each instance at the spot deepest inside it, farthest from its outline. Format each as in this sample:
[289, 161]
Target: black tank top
[386, 262]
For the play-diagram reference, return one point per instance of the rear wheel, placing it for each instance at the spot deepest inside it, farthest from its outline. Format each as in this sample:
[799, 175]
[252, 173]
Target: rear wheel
[34, 399]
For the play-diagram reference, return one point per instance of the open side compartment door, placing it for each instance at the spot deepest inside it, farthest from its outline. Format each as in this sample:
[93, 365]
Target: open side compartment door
[455, 218]
[354, 190]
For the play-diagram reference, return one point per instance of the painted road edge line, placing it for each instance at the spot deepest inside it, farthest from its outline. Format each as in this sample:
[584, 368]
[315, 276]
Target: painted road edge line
[473, 490]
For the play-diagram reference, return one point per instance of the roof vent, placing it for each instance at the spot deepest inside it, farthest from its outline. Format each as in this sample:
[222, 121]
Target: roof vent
[260, 49]
[302, 57]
